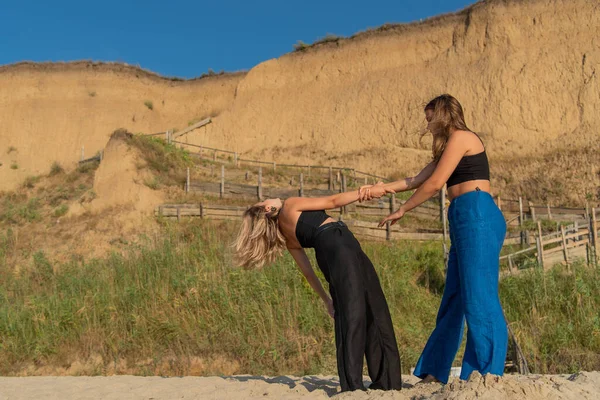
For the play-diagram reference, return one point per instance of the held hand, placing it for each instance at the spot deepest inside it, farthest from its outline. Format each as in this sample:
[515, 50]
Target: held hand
[392, 218]
[362, 192]
[374, 191]
[329, 305]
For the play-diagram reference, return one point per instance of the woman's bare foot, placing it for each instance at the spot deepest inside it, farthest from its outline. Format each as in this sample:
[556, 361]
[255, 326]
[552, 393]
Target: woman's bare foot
[429, 379]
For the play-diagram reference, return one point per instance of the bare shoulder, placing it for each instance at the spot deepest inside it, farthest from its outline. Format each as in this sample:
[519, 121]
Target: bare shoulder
[467, 141]
[291, 204]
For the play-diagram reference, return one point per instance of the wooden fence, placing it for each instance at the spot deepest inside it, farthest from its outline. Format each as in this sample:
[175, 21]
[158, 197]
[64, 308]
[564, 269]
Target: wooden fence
[573, 241]
[381, 208]
[235, 159]
[367, 229]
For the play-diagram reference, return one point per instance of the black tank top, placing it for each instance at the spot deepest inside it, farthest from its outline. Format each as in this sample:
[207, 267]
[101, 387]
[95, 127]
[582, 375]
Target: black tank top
[471, 168]
[307, 226]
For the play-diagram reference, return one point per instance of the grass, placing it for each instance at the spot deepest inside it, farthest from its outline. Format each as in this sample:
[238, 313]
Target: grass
[92, 93]
[149, 104]
[36, 200]
[31, 181]
[17, 208]
[167, 162]
[11, 149]
[14, 166]
[56, 169]
[60, 210]
[173, 305]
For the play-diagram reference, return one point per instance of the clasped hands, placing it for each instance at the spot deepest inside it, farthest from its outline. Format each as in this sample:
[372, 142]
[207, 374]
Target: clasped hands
[370, 192]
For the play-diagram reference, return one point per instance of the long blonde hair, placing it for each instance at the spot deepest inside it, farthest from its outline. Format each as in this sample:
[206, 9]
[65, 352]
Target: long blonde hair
[447, 115]
[259, 240]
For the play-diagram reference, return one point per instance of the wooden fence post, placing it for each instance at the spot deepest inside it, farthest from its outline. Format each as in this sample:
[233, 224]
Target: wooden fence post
[549, 212]
[330, 186]
[235, 159]
[247, 175]
[540, 251]
[499, 203]
[301, 191]
[576, 230]
[338, 176]
[274, 166]
[178, 214]
[540, 245]
[587, 210]
[200, 151]
[442, 204]
[522, 233]
[594, 235]
[259, 193]
[510, 263]
[215, 155]
[532, 211]
[520, 211]
[187, 181]
[343, 190]
[222, 189]
[308, 167]
[201, 211]
[564, 245]
[388, 231]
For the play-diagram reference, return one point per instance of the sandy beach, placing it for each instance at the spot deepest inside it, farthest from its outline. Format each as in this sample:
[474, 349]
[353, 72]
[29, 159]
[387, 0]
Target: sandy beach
[584, 385]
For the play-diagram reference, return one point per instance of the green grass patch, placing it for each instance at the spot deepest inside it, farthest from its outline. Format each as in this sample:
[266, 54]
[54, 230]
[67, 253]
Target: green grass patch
[176, 298]
[167, 162]
[60, 210]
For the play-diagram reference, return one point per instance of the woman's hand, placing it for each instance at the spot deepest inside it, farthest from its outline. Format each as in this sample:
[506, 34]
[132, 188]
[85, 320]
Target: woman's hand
[329, 306]
[370, 192]
[393, 218]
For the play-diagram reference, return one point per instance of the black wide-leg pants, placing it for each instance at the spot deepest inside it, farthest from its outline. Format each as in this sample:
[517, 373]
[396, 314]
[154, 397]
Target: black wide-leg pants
[363, 324]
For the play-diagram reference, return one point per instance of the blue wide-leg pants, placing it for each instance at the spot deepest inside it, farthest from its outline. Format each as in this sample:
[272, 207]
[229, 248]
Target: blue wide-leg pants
[477, 231]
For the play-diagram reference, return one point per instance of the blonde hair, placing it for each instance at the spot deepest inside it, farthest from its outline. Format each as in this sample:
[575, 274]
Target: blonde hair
[259, 240]
[447, 115]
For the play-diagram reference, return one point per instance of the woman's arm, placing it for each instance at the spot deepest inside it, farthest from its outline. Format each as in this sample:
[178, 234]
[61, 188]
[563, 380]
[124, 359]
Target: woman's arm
[413, 182]
[369, 192]
[322, 203]
[307, 270]
[455, 150]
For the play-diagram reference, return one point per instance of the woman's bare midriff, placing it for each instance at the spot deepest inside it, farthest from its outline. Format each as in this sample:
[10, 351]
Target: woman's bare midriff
[466, 187]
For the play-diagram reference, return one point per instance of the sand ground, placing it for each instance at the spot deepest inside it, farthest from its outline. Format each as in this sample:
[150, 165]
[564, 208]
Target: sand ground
[584, 385]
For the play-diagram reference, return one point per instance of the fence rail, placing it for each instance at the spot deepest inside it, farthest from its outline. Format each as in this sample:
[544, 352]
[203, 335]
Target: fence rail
[549, 249]
[564, 246]
[360, 227]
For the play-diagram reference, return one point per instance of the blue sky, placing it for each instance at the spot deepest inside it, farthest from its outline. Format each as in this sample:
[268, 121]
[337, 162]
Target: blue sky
[185, 38]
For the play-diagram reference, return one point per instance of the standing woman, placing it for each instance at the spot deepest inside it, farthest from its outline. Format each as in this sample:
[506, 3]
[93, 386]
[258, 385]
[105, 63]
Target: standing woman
[363, 325]
[477, 230]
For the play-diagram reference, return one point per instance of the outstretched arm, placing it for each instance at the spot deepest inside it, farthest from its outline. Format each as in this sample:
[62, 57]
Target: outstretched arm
[322, 203]
[455, 150]
[307, 270]
[369, 192]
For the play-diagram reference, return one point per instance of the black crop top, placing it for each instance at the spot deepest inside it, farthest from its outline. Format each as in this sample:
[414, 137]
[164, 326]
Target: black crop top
[307, 226]
[470, 168]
